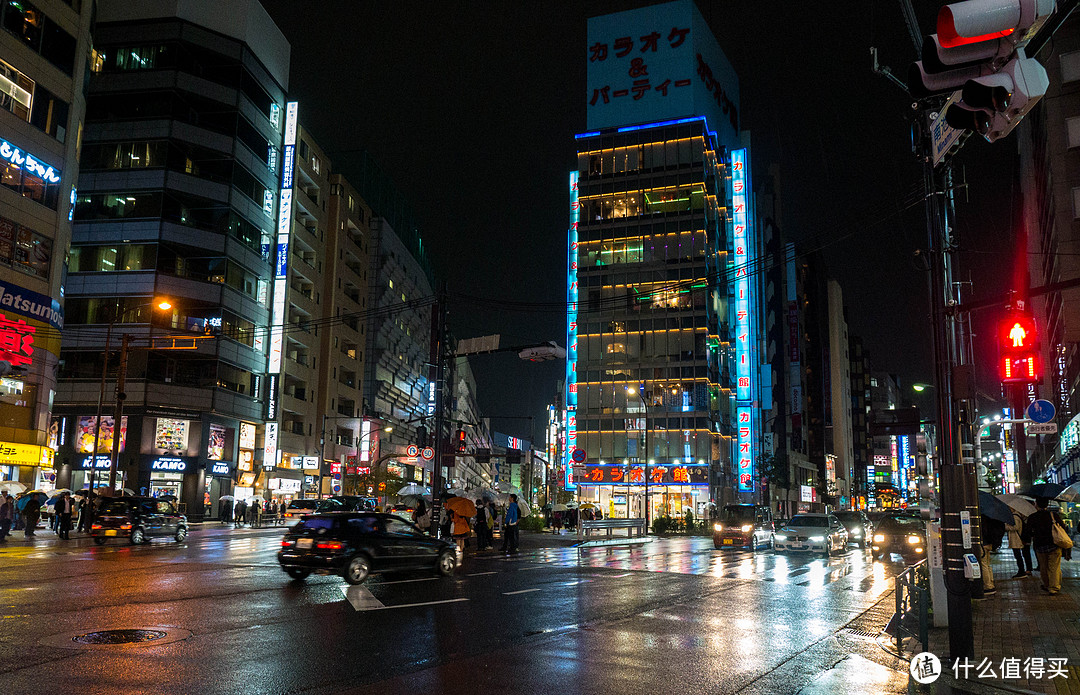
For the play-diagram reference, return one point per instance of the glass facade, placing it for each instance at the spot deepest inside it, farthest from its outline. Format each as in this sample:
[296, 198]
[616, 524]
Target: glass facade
[653, 370]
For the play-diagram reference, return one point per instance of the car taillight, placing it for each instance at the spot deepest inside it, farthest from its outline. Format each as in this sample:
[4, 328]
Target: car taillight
[94, 526]
[331, 545]
[125, 526]
[287, 543]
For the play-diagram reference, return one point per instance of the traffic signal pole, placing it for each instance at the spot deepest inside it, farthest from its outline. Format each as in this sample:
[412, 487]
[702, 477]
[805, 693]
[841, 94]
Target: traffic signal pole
[957, 473]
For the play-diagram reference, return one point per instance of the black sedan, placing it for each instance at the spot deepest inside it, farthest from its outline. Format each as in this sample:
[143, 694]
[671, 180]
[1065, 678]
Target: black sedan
[356, 544]
[858, 526]
[903, 535]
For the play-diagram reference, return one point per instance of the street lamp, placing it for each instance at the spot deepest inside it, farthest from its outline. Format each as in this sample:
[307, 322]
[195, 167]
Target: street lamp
[638, 391]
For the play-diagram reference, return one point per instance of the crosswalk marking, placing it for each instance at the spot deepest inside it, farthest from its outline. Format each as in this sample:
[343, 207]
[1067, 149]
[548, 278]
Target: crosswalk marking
[521, 591]
[361, 598]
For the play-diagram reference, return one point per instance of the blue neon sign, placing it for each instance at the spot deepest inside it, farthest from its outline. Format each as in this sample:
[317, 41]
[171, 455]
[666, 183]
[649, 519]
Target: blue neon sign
[571, 335]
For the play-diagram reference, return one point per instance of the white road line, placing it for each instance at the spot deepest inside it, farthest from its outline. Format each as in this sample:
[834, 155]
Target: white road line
[620, 576]
[479, 574]
[425, 603]
[407, 581]
[523, 591]
[361, 598]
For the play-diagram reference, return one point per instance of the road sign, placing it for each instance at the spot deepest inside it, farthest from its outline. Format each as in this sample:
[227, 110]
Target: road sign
[942, 135]
[337, 488]
[412, 450]
[1041, 411]
[427, 453]
[1042, 428]
[578, 456]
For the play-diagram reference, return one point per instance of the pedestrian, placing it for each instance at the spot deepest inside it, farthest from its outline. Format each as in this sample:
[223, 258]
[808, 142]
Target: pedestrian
[7, 515]
[422, 515]
[31, 512]
[510, 526]
[63, 509]
[991, 531]
[281, 511]
[461, 533]
[1021, 547]
[254, 513]
[556, 523]
[483, 531]
[238, 514]
[493, 520]
[1047, 551]
[599, 515]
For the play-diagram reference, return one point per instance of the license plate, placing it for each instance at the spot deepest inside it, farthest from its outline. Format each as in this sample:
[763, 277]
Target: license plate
[111, 533]
[303, 543]
[728, 541]
[796, 545]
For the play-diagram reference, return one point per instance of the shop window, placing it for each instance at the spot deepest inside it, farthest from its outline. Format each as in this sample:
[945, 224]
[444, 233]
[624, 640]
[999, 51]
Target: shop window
[24, 249]
[16, 91]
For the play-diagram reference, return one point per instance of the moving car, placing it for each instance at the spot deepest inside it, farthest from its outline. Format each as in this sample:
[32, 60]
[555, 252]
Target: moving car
[903, 535]
[858, 526]
[743, 526]
[298, 508]
[343, 503]
[356, 544]
[138, 519]
[821, 533]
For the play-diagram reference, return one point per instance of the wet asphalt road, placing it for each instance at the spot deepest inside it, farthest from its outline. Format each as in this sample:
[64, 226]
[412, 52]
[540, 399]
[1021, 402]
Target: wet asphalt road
[672, 616]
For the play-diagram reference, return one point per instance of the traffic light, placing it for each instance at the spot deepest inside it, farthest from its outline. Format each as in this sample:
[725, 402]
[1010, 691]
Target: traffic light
[459, 441]
[513, 457]
[421, 436]
[1018, 344]
[978, 51]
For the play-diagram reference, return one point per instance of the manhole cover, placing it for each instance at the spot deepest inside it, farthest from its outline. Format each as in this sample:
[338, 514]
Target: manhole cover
[119, 636]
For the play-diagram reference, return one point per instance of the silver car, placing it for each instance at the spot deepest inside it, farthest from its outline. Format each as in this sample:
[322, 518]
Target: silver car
[812, 533]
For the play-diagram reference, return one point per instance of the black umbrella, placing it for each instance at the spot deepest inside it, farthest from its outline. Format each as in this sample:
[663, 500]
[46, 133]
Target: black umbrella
[994, 508]
[1048, 490]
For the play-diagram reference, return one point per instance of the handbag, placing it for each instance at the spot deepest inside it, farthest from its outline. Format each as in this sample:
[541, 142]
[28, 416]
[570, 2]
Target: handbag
[1061, 536]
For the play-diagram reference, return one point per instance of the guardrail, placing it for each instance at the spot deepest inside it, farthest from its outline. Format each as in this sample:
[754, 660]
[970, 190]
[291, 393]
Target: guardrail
[635, 528]
[912, 605]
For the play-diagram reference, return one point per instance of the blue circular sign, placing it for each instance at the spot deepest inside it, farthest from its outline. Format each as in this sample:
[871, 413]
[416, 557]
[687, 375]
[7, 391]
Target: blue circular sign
[578, 456]
[1041, 411]
[337, 488]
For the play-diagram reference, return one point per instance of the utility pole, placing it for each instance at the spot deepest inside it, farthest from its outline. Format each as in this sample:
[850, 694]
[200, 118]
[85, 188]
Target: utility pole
[118, 413]
[438, 358]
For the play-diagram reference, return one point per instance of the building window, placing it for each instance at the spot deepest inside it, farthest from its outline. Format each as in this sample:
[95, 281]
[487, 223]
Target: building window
[1070, 66]
[24, 249]
[16, 91]
[29, 185]
[32, 103]
[1076, 203]
[315, 164]
[140, 58]
[1072, 125]
[39, 33]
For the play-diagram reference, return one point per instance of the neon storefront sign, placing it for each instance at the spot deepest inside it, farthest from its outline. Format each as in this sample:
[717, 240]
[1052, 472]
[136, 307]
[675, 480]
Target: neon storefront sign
[571, 335]
[744, 393]
[28, 163]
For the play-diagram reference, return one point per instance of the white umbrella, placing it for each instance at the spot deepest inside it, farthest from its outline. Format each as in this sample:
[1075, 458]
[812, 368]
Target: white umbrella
[524, 508]
[559, 507]
[1018, 504]
[13, 487]
[457, 492]
[61, 491]
[572, 504]
[127, 491]
[414, 489]
[226, 497]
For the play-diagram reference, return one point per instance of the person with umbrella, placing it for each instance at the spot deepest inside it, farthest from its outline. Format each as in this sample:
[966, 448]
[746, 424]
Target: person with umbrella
[510, 526]
[1019, 533]
[7, 515]
[1046, 550]
[483, 527]
[31, 511]
[460, 510]
[241, 508]
[63, 510]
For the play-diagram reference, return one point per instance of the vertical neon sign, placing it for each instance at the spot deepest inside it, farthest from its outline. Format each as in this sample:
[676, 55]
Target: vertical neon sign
[743, 371]
[571, 336]
[281, 279]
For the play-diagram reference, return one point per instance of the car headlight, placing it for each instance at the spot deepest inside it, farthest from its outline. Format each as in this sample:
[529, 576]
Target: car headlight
[780, 537]
[914, 540]
[856, 532]
[718, 527]
[879, 538]
[817, 539]
[747, 528]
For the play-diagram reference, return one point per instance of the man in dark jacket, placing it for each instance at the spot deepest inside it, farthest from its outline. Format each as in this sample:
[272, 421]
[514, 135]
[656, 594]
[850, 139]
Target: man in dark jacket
[7, 514]
[31, 512]
[1042, 539]
[991, 531]
[63, 510]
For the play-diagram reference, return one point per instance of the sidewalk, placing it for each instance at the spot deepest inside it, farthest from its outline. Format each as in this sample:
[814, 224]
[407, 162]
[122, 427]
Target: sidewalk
[1021, 622]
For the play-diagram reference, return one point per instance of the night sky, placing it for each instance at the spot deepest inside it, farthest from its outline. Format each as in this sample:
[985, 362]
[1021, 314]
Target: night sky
[471, 108]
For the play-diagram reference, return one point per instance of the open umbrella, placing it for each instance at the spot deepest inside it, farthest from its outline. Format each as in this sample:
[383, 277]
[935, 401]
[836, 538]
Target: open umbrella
[462, 506]
[57, 493]
[40, 496]
[410, 500]
[414, 489]
[226, 497]
[13, 487]
[1018, 504]
[587, 505]
[1049, 490]
[524, 508]
[127, 491]
[559, 508]
[572, 504]
[994, 508]
[81, 493]
[458, 492]
[1070, 494]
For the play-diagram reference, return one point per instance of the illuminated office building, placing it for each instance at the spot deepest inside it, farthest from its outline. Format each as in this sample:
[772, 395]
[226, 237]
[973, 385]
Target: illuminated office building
[663, 374]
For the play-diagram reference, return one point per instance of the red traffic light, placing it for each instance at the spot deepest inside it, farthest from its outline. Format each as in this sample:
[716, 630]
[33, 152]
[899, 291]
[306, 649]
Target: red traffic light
[1017, 334]
[460, 441]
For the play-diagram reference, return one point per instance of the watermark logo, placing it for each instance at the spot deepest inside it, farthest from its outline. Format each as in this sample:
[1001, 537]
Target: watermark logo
[925, 667]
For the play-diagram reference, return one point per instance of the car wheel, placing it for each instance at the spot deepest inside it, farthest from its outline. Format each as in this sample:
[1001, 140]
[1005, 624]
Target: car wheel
[358, 569]
[137, 536]
[297, 573]
[100, 540]
[447, 563]
[181, 534]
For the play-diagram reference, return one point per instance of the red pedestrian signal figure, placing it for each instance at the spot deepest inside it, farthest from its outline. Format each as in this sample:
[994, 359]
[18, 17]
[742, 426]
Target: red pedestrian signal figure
[1019, 349]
